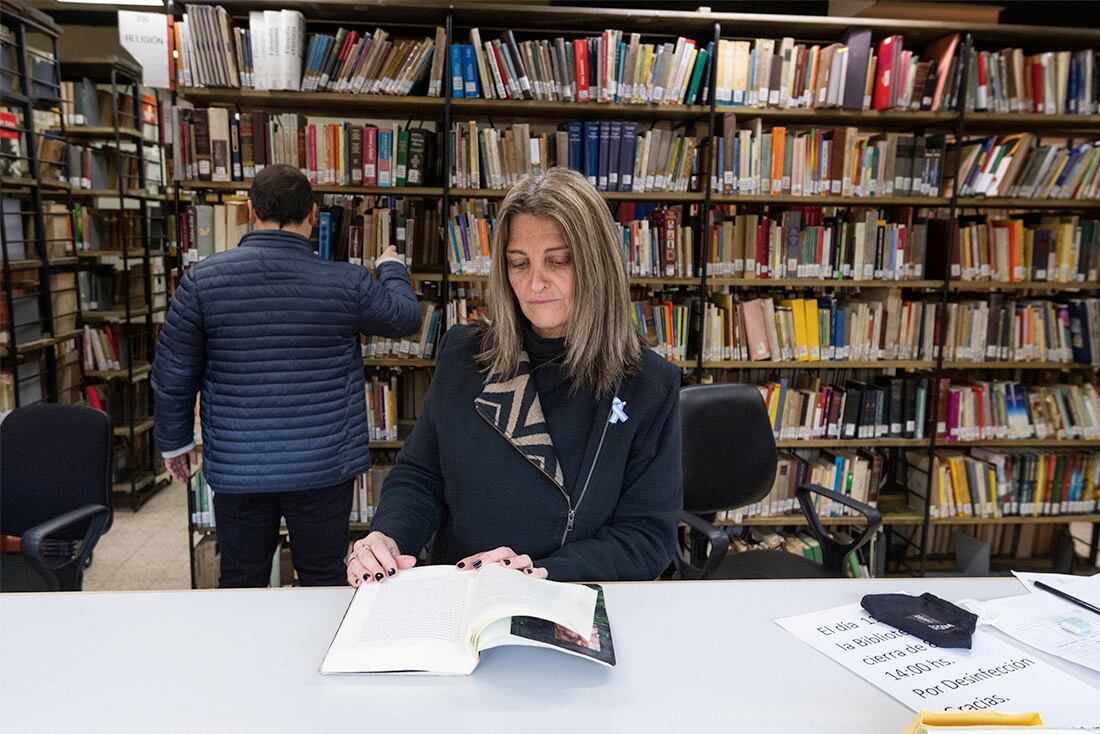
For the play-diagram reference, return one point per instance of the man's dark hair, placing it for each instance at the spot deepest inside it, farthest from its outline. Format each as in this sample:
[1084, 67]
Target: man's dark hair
[280, 193]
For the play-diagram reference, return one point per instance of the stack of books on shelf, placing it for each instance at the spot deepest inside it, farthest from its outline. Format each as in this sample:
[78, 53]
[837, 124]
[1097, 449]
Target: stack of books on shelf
[467, 307]
[979, 410]
[1024, 166]
[415, 346]
[367, 489]
[469, 235]
[880, 326]
[1048, 83]
[1004, 483]
[821, 243]
[612, 67]
[215, 144]
[856, 474]
[1047, 249]
[106, 348]
[613, 155]
[656, 240]
[663, 325]
[887, 407]
[274, 52]
[996, 329]
[854, 73]
[782, 161]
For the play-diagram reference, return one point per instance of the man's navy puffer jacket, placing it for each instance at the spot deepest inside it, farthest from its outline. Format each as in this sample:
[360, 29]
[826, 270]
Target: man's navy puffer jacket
[269, 332]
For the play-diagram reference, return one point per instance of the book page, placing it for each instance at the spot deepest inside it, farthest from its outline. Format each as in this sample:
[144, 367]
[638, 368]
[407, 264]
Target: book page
[504, 592]
[412, 622]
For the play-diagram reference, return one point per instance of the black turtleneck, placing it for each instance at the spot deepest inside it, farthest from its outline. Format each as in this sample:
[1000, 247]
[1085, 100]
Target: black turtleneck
[568, 416]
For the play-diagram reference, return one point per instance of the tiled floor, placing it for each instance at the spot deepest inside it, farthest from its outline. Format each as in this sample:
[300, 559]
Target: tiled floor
[146, 549]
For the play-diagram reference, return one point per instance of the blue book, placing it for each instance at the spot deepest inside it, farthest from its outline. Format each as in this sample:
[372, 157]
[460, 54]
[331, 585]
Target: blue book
[779, 406]
[576, 146]
[614, 153]
[324, 235]
[322, 57]
[456, 254]
[704, 86]
[628, 151]
[604, 145]
[469, 70]
[458, 90]
[833, 319]
[621, 59]
[736, 164]
[385, 157]
[752, 88]
[465, 241]
[591, 151]
[841, 325]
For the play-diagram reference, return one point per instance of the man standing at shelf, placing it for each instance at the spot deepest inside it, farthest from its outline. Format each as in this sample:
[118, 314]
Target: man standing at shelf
[270, 334]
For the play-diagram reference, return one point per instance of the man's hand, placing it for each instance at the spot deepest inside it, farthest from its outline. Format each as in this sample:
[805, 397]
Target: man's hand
[389, 255]
[506, 557]
[179, 467]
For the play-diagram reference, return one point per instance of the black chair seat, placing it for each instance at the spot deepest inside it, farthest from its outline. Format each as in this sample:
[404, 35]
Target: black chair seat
[16, 574]
[771, 564]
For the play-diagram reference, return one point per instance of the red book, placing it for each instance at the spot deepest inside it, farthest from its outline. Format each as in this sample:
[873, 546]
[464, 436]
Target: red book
[580, 54]
[312, 153]
[1037, 87]
[506, 79]
[602, 66]
[884, 73]
[93, 397]
[669, 228]
[762, 261]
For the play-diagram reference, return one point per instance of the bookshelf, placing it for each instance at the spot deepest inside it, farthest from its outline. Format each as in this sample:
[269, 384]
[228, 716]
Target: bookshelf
[957, 123]
[40, 357]
[122, 255]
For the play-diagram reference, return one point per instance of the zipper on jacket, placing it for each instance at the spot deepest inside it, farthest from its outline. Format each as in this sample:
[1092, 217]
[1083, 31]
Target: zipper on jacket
[595, 460]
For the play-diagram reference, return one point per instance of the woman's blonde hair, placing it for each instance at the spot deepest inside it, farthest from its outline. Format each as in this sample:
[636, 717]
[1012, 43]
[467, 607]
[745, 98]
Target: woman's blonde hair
[602, 342]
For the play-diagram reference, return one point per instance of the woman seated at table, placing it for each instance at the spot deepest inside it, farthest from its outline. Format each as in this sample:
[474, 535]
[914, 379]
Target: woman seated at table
[549, 440]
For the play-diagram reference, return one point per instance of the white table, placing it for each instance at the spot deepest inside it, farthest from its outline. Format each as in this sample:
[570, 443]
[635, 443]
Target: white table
[690, 655]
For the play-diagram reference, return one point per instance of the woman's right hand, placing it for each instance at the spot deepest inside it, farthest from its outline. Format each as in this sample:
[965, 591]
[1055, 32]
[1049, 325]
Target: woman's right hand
[375, 558]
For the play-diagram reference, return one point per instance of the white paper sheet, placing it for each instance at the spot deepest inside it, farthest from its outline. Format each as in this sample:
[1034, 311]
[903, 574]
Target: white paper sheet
[993, 675]
[1047, 622]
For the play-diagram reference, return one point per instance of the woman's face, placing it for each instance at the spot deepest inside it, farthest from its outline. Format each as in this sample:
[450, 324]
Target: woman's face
[540, 271]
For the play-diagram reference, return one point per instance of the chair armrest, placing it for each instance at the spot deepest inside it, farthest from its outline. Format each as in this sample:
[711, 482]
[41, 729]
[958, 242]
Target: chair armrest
[32, 540]
[834, 553]
[719, 546]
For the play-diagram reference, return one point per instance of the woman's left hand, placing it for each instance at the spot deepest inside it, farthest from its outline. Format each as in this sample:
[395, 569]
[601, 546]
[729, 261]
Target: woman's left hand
[507, 558]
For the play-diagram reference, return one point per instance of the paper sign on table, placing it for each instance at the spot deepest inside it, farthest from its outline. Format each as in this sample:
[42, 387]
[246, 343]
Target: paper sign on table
[992, 676]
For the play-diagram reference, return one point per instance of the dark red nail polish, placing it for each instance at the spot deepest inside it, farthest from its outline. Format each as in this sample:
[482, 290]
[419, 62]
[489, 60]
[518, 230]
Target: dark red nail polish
[527, 570]
[477, 563]
[366, 577]
[393, 571]
[507, 562]
[378, 576]
[461, 564]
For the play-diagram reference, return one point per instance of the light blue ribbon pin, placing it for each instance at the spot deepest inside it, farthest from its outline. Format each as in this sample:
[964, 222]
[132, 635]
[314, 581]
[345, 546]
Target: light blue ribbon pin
[618, 415]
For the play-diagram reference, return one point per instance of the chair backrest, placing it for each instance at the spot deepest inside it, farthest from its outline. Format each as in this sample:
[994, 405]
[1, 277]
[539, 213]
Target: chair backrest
[729, 454]
[53, 459]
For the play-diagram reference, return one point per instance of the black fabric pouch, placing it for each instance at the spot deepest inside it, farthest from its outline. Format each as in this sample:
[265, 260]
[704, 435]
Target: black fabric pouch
[927, 616]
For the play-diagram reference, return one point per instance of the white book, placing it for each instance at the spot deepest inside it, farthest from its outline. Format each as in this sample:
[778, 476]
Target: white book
[438, 620]
[272, 37]
[292, 31]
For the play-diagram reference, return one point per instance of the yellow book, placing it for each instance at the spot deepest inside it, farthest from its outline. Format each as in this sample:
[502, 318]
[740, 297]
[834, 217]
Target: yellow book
[941, 486]
[647, 67]
[773, 401]
[991, 480]
[813, 331]
[958, 477]
[798, 316]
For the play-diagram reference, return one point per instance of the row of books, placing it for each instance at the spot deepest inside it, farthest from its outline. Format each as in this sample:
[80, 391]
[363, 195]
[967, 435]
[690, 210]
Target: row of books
[611, 154]
[983, 410]
[366, 490]
[663, 325]
[1050, 82]
[880, 326]
[856, 474]
[853, 73]
[784, 161]
[819, 243]
[1031, 331]
[1022, 165]
[105, 348]
[467, 307]
[381, 397]
[216, 144]
[1004, 483]
[1053, 249]
[610, 67]
[887, 407]
[655, 240]
[273, 53]
[414, 346]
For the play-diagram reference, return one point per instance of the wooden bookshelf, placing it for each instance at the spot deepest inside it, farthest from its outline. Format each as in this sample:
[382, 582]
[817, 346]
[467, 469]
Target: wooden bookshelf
[726, 280]
[992, 285]
[367, 105]
[1022, 443]
[137, 483]
[398, 362]
[840, 443]
[830, 200]
[1030, 204]
[115, 316]
[1000, 365]
[141, 371]
[1017, 519]
[37, 345]
[98, 132]
[142, 424]
[873, 364]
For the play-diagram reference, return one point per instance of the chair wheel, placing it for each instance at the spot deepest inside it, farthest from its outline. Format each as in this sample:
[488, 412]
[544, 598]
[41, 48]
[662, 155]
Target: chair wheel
[88, 562]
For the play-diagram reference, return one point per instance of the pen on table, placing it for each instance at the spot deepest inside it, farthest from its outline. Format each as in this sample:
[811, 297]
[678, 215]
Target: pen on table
[1067, 597]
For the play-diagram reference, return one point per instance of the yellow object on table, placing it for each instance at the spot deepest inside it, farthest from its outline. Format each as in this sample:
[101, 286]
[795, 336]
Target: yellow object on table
[934, 722]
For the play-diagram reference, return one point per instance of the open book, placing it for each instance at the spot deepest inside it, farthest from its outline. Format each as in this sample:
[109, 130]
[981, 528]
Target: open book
[438, 619]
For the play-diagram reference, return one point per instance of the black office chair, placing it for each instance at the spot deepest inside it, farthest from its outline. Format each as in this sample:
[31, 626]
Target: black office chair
[729, 460]
[55, 489]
